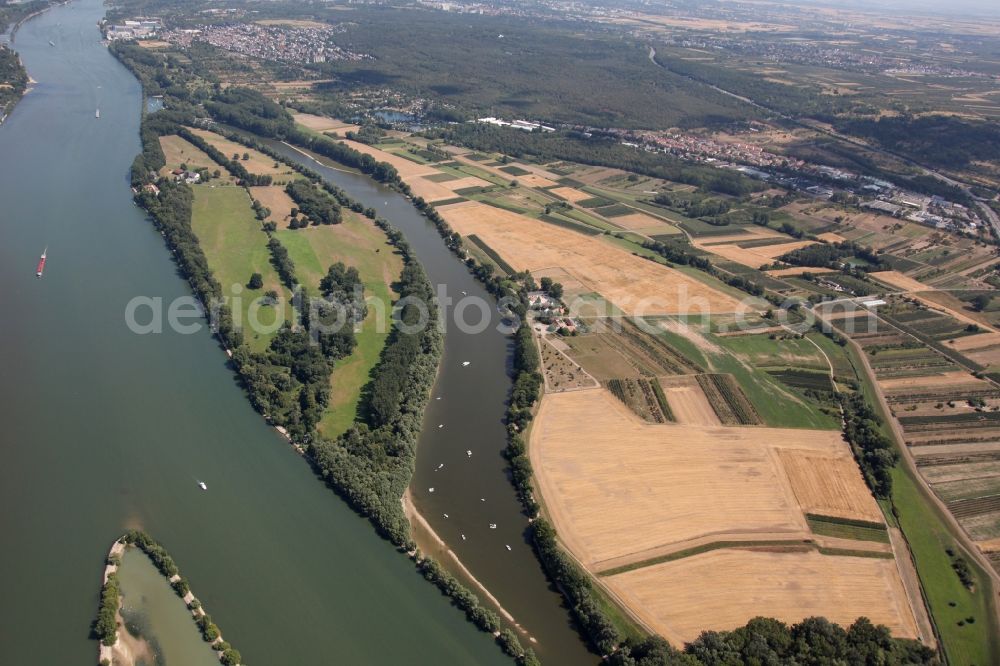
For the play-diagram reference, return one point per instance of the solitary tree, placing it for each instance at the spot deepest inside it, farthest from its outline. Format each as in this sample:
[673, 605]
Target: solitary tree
[981, 302]
[256, 281]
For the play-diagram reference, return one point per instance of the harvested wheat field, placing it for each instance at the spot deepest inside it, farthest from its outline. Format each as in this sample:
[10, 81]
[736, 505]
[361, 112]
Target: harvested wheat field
[528, 179]
[635, 285]
[828, 485]
[899, 281]
[925, 382]
[642, 222]
[432, 191]
[688, 402]
[258, 164]
[570, 194]
[974, 342]
[321, 124]
[755, 257]
[622, 491]
[405, 167]
[723, 589]
[795, 271]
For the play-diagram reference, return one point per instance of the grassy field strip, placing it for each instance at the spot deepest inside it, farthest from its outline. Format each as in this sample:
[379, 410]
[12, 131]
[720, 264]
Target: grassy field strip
[236, 247]
[847, 529]
[789, 544]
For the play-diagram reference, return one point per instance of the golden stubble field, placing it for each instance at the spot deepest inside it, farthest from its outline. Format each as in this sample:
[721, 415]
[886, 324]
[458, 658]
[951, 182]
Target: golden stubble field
[723, 589]
[635, 285]
[754, 257]
[438, 191]
[623, 492]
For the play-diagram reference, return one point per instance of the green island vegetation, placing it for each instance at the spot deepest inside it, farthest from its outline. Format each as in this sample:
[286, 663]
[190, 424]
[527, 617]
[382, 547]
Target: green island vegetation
[105, 626]
[13, 79]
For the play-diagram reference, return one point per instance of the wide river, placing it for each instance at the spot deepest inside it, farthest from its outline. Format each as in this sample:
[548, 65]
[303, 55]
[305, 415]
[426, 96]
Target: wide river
[103, 429]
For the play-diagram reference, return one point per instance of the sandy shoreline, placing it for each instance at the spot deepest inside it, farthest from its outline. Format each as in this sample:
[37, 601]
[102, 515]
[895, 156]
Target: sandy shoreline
[425, 532]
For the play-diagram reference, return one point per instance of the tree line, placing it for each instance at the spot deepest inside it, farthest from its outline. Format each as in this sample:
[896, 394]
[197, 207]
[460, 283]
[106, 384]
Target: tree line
[814, 640]
[873, 450]
[233, 165]
[831, 255]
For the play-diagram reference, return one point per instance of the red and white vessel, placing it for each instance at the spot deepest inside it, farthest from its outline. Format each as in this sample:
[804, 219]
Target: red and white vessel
[41, 263]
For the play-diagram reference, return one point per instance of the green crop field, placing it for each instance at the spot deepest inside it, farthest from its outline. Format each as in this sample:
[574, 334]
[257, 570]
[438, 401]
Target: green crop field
[776, 404]
[236, 247]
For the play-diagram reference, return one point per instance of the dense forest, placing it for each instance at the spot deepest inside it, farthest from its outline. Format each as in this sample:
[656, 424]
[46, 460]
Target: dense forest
[798, 100]
[936, 140]
[472, 66]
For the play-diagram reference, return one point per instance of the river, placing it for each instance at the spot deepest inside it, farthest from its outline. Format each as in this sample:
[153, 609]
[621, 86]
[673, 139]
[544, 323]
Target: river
[103, 429]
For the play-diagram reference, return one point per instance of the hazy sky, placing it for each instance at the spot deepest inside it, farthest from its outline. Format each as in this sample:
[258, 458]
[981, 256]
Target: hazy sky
[991, 7]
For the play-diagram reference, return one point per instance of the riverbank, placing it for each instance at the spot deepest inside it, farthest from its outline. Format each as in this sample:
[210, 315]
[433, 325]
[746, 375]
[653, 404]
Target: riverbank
[429, 541]
[127, 649]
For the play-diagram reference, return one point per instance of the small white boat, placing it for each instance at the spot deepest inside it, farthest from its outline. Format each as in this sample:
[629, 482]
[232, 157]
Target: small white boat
[441, 425]
[468, 452]
[201, 484]
[463, 537]
[482, 499]
[97, 114]
[493, 526]
[445, 515]
[508, 547]
[439, 466]
[430, 490]
[465, 363]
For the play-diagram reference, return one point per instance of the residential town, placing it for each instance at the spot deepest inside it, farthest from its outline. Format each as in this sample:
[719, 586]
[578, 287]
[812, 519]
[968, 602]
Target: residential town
[268, 42]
